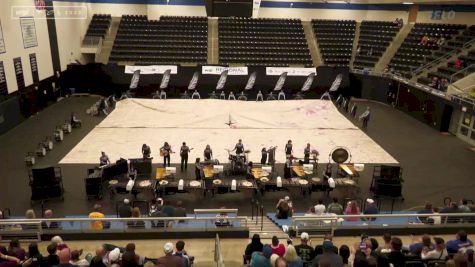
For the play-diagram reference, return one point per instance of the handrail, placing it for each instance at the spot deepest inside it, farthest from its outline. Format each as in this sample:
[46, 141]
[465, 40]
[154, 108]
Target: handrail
[436, 61]
[392, 215]
[40, 220]
[460, 71]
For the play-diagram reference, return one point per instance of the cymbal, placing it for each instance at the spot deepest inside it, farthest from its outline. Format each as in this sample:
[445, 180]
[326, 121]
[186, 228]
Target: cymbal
[247, 151]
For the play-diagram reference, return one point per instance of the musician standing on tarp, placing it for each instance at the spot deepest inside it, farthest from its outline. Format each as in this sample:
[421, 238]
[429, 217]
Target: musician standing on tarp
[306, 154]
[264, 156]
[288, 149]
[184, 151]
[146, 151]
[104, 159]
[288, 167]
[365, 117]
[165, 150]
[208, 153]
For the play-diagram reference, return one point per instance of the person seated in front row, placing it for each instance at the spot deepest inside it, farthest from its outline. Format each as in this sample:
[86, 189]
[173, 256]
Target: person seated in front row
[222, 219]
[75, 122]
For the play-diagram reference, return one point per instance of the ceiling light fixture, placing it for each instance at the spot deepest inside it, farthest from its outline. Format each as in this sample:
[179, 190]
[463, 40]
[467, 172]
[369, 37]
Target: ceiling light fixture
[407, 3]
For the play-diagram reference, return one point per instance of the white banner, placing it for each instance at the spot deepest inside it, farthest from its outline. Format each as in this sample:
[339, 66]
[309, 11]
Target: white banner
[152, 69]
[256, 4]
[217, 70]
[276, 71]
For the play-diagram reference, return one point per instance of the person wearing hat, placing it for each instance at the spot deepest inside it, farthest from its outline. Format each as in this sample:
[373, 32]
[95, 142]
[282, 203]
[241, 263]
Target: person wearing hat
[328, 254]
[305, 251]
[125, 210]
[169, 260]
[370, 209]
[261, 259]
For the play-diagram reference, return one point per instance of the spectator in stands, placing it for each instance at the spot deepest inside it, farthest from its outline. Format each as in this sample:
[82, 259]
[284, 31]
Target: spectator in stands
[34, 256]
[155, 205]
[283, 209]
[320, 207]
[435, 218]
[370, 209]
[261, 259]
[7, 260]
[319, 248]
[386, 247]
[277, 247]
[437, 253]
[129, 259]
[64, 258]
[75, 258]
[273, 259]
[461, 242]
[424, 40]
[15, 249]
[59, 242]
[97, 214]
[255, 245]
[304, 250]
[426, 210]
[139, 224]
[441, 41]
[470, 257]
[311, 212]
[418, 244]
[97, 261]
[396, 257]
[370, 51]
[75, 122]
[463, 207]
[30, 215]
[112, 257]
[180, 252]
[452, 208]
[52, 259]
[179, 210]
[460, 260]
[352, 209]
[293, 260]
[444, 84]
[125, 210]
[459, 63]
[328, 253]
[49, 225]
[222, 218]
[168, 209]
[344, 252]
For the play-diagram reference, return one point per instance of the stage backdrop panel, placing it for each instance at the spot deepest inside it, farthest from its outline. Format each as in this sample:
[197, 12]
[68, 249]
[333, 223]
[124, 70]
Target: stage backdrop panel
[220, 124]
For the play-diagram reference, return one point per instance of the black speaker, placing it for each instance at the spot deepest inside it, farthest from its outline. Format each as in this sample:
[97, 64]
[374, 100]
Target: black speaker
[388, 188]
[43, 176]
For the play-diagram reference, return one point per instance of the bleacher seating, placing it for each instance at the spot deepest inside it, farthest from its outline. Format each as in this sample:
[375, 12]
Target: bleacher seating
[99, 25]
[335, 40]
[262, 42]
[413, 53]
[170, 40]
[375, 37]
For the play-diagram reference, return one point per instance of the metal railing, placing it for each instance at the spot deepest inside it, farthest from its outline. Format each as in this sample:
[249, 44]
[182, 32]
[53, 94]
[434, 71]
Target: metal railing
[257, 211]
[465, 71]
[91, 41]
[332, 222]
[437, 61]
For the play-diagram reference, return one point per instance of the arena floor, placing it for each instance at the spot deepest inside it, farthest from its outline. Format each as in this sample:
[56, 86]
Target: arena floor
[435, 165]
[201, 122]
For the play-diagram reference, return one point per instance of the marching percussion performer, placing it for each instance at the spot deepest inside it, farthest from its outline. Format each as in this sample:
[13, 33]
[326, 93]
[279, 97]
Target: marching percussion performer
[104, 159]
[208, 153]
[184, 151]
[146, 151]
[239, 147]
[288, 149]
[306, 154]
[264, 156]
[288, 167]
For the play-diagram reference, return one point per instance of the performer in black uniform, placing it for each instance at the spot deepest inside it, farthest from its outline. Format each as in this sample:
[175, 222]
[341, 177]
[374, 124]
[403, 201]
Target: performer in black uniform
[165, 150]
[146, 151]
[184, 151]
[208, 153]
[288, 167]
[288, 149]
[264, 156]
[306, 154]
[239, 147]
[104, 159]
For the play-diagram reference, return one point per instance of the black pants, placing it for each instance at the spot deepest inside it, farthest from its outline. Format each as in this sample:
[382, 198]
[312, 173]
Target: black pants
[263, 160]
[184, 162]
[165, 160]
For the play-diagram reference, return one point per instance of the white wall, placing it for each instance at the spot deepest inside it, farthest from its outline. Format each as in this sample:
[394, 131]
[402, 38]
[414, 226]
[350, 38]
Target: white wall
[117, 10]
[155, 11]
[455, 18]
[14, 45]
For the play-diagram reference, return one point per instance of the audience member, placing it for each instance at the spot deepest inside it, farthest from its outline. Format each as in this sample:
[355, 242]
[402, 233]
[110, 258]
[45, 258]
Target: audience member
[281, 262]
[30, 215]
[49, 225]
[273, 259]
[139, 224]
[386, 248]
[15, 250]
[370, 209]
[255, 245]
[335, 207]
[352, 209]
[52, 259]
[304, 250]
[283, 209]
[168, 209]
[435, 218]
[180, 252]
[344, 252]
[320, 207]
[155, 206]
[396, 257]
[97, 261]
[125, 210]
[437, 253]
[7, 260]
[290, 255]
[419, 244]
[460, 260]
[97, 214]
[34, 256]
[277, 248]
[65, 258]
[311, 212]
[463, 207]
[319, 248]
[75, 258]
[169, 260]
[328, 253]
[179, 210]
[461, 242]
[452, 208]
[426, 210]
[424, 40]
[261, 259]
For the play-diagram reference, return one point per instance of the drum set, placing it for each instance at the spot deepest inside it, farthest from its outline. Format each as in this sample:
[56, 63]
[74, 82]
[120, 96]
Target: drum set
[238, 162]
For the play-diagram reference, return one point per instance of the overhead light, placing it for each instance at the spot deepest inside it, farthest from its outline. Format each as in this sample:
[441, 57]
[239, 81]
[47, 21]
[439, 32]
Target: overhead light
[407, 3]
[337, 2]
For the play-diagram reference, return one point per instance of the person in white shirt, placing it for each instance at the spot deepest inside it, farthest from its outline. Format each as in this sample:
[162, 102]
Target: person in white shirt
[439, 253]
[320, 208]
[435, 218]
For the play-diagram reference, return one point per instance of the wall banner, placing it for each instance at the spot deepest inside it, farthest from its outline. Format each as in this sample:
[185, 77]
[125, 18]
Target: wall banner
[34, 68]
[20, 80]
[217, 70]
[3, 80]
[28, 31]
[152, 69]
[277, 71]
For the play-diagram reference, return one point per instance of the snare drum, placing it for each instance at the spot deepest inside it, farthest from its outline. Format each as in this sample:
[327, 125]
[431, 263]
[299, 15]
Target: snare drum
[233, 157]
